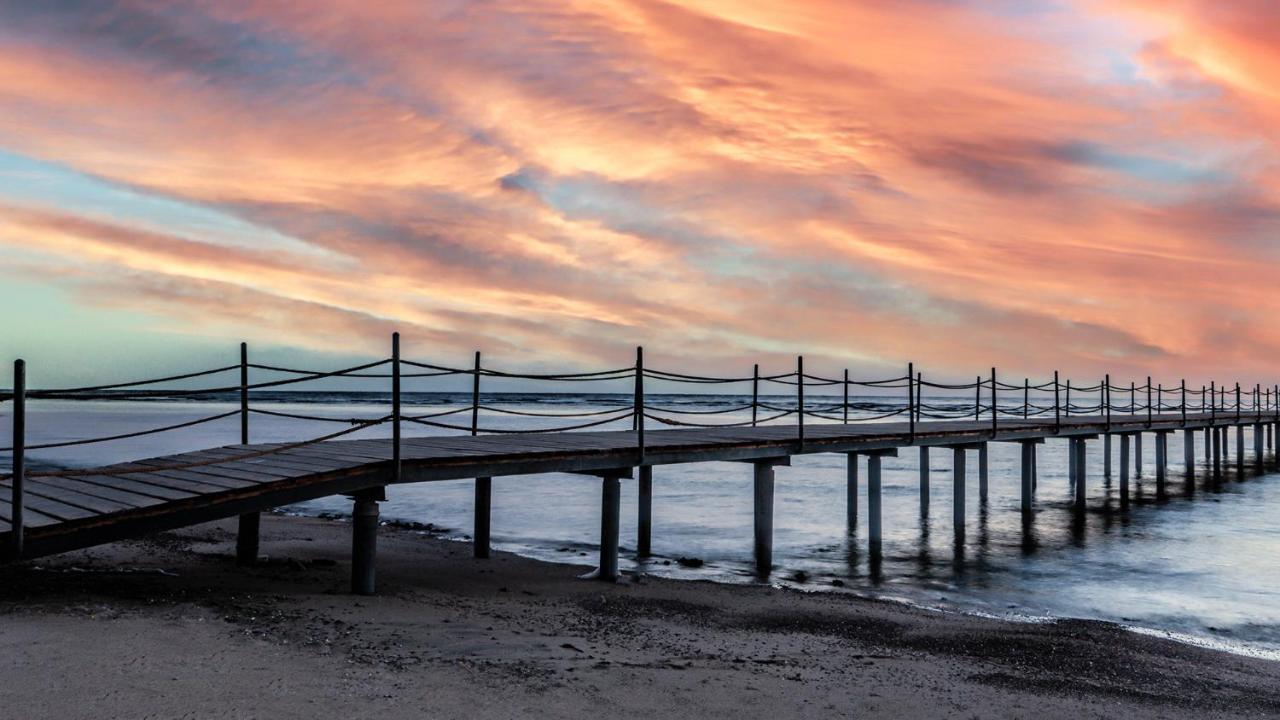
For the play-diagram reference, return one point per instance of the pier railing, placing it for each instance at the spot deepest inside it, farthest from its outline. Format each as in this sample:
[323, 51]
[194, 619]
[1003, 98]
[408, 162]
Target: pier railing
[794, 396]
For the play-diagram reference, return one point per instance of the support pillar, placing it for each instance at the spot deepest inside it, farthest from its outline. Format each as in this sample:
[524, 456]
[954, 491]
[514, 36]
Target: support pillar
[1124, 472]
[644, 511]
[480, 529]
[851, 494]
[247, 539]
[1240, 452]
[1258, 455]
[924, 482]
[1162, 444]
[957, 497]
[763, 517]
[1189, 455]
[1137, 455]
[1217, 454]
[982, 473]
[1028, 459]
[1080, 474]
[874, 529]
[610, 513]
[1208, 445]
[364, 540]
[1106, 456]
[1071, 463]
[1035, 467]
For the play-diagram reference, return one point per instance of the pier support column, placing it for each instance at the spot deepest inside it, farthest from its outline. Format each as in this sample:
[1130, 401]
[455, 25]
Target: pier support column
[1208, 445]
[1071, 463]
[1189, 455]
[1028, 448]
[764, 513]
[247, 539]
[957, 493]
[1124, 472]
[364, 539]
[982, 473]
[1258, 465]
[480, 529]
[875, 530]
[1217, 454]
[610, 514]
[1137, 455]
[1035, 467]
[1080, 473]
[1106, 456]
[1162, 448]
[924, 482]
[644, 511]
[851, 494]
[1240, 452]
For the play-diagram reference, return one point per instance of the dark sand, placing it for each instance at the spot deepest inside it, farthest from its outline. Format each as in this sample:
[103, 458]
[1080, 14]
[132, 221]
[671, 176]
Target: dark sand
[169, 627]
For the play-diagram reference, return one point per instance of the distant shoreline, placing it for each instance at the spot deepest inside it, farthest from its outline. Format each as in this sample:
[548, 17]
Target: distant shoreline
[170, 626]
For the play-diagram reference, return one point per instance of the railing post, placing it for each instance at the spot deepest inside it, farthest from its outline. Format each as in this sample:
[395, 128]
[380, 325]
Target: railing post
[1257, 401]
[244, 393]
[755, 393]
[977, 398]
[1106, 400]
[919, 389]
[800, 398]
[995, 414]
[475, 397]
[1026, 398]
[1133, 398]
[912, 400]
[1057, 409]
[1213, 402]
[395, 407]
[1237, 402]
[1148, 401]
[1067, 405]
[846, 396]
[1184, 402]
[19, 454]
[638, 412]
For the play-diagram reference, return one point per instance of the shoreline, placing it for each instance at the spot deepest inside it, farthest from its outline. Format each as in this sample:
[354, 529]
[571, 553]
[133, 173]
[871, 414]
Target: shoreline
[168, 625]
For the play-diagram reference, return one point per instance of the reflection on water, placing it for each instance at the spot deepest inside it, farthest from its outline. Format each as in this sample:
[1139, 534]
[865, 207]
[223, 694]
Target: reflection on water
[1201, 558]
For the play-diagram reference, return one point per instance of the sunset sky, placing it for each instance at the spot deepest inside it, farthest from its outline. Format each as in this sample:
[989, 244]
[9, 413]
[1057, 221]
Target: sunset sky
[1072, 184]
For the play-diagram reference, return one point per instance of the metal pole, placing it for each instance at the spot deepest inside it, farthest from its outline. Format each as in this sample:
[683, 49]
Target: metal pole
[1237, 402]
[1067, 406]
[1133, 398]
[481, 524]
[846, 396]
[1148, 401]
[912, 400]
[475, 397]
[1026, 398]
[1057, 410]
[395, 410]
[638, 412]
[1213, 403]
[995, 414]
[755, 393]
[1106, 401]
[919, 389]
[19, 454]
[977, 398]
[1182, 406]
[800, 398]
[244, 393]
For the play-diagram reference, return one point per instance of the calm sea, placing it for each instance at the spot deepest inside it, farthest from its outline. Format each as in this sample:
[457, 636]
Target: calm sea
[1202, 563]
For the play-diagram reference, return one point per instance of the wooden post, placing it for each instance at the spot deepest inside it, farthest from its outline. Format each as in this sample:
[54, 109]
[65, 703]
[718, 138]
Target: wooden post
[638, 411]
[977, 399]
[1026, 398]
[1105, 400]
[395, 408]
[1148, 401]
[1124, 472]
[920, 389]
[800, 400]
[763, 518]
[1237, 403]
[1183, 405]
[924, 481]
[644, 506]
[874, 528]
[364, 540]
[982, 473]
[248, 532]
[957, 493]
[483, 485]
[610, 515]
[19, 456]
[1067, 406]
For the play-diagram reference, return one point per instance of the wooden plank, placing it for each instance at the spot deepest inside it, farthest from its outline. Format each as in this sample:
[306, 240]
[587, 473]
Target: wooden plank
[92, 503]
[31, 516]
[50, 509]
[110, 493]
[134, 485]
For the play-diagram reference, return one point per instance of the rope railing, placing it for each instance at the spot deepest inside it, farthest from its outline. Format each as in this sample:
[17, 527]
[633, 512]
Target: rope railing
[810, 396]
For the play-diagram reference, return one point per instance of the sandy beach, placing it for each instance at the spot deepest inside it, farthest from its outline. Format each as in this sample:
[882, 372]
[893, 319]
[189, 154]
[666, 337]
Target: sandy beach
[170, 627]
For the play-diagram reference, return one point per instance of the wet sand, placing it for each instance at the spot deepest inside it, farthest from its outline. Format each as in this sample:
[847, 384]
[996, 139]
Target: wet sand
[170, 627]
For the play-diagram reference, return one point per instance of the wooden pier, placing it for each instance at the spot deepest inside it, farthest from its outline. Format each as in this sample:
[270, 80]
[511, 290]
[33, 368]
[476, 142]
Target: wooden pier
[54, 511]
